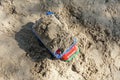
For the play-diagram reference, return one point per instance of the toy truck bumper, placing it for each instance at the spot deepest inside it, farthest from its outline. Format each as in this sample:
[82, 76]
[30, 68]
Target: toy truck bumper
[74, 50]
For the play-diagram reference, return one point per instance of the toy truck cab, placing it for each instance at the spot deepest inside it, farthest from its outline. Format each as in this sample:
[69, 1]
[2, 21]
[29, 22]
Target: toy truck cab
[69, 53]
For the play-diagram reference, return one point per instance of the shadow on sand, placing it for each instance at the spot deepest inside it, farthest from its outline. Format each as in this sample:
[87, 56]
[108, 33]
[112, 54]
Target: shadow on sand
[28, 41]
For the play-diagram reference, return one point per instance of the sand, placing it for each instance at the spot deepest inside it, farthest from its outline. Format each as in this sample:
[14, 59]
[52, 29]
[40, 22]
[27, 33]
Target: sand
[95, 24]
[53, 34]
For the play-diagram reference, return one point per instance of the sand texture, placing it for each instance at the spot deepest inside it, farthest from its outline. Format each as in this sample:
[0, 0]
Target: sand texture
[95, 24]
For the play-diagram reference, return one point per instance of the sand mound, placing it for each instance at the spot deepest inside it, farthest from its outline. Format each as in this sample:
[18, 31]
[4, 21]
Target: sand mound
[53, 34]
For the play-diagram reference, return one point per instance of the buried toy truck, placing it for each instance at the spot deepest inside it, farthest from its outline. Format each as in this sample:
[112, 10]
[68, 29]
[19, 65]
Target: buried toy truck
[55, 37]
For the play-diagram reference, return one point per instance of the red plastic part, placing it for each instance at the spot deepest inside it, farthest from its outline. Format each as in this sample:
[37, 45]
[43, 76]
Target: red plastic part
[58, 51]
[70, 53]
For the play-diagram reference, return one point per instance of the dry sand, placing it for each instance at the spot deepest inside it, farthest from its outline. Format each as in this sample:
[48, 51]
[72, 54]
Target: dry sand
[95, 23]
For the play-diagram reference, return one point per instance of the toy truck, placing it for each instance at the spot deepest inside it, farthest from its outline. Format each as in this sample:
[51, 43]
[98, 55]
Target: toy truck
[67, 53]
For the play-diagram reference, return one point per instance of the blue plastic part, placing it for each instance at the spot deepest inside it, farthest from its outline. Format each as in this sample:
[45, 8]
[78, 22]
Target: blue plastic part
[58, 56]
[49, 13]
